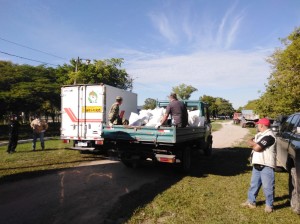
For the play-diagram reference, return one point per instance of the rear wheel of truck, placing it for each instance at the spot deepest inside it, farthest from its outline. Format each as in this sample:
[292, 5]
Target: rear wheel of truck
[294, 191]
[130, 162]
[186, 159]
[208, 147]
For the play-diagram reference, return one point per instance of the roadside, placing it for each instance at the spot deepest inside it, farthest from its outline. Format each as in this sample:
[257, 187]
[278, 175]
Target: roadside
[229, 135]
[3, 143]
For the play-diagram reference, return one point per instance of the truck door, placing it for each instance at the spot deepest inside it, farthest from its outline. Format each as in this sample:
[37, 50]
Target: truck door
[283, 140]
[69, 109]
[92, 111]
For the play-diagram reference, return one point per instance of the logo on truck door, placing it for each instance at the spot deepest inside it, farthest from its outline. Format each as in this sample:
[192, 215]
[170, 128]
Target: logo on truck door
[93, 97]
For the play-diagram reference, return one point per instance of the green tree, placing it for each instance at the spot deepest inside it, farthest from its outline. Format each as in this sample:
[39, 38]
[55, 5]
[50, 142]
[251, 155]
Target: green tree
[25, 88]
[183, 91]
[99, 71]
[211, 101]
[282, 94]
[224, 107]
[149, 104]
[218, 105]
[251, 105]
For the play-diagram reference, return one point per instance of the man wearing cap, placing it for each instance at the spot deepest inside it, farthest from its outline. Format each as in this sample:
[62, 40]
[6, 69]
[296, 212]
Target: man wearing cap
[13, 135]
[264, 163]
[178, 111]
[113, 115]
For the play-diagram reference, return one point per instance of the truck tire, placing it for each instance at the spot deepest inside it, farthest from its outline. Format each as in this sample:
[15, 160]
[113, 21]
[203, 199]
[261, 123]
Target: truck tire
[130, 162]
[208, 147]
[186, 159]
[127, 163]
[295, 191]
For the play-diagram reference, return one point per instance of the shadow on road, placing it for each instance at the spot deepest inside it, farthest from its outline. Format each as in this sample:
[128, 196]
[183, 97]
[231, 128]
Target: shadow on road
[105, 193]
[223, 162]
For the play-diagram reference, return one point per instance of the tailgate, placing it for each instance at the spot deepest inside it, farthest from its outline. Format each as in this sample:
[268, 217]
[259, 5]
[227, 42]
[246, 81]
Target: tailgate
[140, 134]
[153, 135]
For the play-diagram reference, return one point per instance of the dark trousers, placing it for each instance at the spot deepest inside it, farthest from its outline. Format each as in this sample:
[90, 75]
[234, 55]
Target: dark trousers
[12, 144]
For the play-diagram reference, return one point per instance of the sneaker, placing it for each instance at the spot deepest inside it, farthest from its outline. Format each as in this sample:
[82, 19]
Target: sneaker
[248, 204]
[268, 209]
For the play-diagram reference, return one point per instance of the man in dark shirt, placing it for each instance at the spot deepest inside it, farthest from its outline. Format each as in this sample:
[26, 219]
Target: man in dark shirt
[13, 134]
[177, 110]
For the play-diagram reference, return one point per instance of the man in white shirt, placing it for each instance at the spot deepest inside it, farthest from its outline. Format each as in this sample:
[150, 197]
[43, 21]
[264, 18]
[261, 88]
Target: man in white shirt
[264, 163]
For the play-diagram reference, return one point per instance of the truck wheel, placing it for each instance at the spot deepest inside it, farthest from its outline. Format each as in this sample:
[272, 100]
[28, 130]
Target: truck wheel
[186, 159]
[208, 147]
[130, 162]
[295, 191]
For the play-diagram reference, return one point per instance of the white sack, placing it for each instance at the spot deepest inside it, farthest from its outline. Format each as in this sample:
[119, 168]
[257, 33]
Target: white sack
[134, 119]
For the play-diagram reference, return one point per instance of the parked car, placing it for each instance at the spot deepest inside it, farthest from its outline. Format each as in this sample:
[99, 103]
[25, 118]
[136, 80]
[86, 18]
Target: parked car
[288, 155]
[277, 124]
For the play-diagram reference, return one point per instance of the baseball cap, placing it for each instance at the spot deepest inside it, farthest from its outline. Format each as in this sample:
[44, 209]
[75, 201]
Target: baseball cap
[264, 121]
[119, 98]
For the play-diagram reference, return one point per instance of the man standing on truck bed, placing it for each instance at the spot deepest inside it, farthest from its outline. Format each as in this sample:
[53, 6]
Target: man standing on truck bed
[113, 115]
[177, 110]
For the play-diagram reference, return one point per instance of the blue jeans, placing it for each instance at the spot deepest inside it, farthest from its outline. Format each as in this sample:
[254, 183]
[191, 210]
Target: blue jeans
[41, 137]
[266, 179]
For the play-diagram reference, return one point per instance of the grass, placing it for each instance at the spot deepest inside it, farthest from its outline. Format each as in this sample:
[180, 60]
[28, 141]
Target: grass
[213, 192]
[216, 125]
[54, 157]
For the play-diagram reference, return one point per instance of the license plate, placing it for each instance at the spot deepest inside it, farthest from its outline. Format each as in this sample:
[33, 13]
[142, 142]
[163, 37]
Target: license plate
[82, 143]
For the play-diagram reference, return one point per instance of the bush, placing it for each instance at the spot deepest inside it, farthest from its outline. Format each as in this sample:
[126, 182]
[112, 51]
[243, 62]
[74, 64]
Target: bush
[25, 131]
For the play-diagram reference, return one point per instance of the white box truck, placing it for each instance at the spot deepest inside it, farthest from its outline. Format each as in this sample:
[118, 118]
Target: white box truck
[85, 110]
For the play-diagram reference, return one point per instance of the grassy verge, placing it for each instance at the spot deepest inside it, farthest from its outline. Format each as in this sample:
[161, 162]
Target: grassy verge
[213, 192]
[216, 125]
[54, 157]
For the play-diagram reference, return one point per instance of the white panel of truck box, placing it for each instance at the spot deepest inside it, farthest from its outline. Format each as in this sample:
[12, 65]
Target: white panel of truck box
[85, 108]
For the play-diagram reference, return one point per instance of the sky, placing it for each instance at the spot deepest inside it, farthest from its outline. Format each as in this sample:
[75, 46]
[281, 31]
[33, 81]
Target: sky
[219, 47]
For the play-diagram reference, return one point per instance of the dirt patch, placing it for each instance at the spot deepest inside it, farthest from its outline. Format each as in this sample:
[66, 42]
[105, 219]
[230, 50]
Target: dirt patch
[229, 135]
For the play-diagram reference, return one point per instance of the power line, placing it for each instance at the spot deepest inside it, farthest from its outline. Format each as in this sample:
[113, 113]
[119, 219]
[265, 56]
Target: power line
[27, 58]
[32, 48]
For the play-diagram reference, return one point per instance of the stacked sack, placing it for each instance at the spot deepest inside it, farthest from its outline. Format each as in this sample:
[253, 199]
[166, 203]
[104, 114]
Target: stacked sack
[151, 118]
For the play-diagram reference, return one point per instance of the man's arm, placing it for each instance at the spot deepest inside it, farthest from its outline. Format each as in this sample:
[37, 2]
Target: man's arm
[262, 144]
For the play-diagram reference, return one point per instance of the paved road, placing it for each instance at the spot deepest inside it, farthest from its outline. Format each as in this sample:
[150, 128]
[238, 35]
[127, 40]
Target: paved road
[90, 193]
[78, 195]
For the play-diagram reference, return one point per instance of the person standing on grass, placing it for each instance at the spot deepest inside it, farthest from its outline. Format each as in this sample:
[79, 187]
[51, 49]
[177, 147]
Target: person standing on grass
[13, 134]
[264, 163]
[39, 127]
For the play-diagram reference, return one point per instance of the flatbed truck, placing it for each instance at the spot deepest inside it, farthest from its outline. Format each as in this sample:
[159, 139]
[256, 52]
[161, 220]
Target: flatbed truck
[167, 144]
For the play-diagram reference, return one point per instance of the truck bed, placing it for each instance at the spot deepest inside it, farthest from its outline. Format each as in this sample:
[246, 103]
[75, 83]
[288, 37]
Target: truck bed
[145, 134]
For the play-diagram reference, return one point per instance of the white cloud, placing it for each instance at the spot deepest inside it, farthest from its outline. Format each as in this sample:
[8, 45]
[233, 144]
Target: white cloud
[228, 71]
[162, 23]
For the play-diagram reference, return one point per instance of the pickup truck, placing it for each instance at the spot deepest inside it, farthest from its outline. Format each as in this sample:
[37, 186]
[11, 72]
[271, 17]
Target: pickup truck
[167, 144]
[288, 155]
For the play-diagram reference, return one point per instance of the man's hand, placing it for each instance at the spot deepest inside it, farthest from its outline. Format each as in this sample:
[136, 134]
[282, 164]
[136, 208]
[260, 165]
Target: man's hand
[157, 126]
[251, 142]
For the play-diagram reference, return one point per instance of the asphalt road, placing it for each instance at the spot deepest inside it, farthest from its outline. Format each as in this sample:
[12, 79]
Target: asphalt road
[103, 192]
[78, 195]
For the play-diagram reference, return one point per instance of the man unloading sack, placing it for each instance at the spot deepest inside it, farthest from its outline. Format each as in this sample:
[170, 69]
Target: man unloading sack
[114, 116]
[177, 110]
